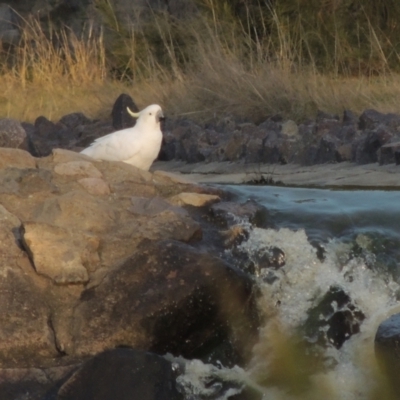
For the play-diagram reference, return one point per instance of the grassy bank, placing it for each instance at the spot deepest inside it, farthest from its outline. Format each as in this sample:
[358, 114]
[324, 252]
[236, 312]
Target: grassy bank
[212, 65]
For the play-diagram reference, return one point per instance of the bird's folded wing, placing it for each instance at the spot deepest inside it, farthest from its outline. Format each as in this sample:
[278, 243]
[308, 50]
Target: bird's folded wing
[117, 146]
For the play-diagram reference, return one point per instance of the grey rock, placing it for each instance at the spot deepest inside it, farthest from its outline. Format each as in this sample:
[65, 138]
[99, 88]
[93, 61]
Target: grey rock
[12, 134]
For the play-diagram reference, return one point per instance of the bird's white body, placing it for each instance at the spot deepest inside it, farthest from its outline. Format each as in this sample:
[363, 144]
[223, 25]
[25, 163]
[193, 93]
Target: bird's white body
[138, 146]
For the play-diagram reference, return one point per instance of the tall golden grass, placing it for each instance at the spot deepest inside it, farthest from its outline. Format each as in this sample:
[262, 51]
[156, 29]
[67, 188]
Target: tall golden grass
[202, 68]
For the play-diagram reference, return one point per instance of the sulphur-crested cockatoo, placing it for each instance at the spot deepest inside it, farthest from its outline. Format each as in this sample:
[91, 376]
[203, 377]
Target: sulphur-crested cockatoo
[138, 145]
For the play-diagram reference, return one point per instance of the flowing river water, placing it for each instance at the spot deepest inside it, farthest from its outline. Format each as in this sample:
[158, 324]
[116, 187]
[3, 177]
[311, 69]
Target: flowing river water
[342, 260]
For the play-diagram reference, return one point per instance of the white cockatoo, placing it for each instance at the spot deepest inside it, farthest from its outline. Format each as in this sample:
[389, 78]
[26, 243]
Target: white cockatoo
[138, 146]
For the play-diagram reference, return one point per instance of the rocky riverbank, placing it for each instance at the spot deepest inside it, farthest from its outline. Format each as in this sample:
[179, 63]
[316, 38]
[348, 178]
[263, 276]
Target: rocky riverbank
[100, 255]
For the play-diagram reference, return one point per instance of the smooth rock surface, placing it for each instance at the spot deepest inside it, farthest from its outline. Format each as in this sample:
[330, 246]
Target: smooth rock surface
[340, 175]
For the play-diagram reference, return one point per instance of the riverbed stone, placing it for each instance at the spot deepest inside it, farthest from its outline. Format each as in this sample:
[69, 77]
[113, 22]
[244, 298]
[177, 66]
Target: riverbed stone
[123, 374]
[387, 349]
[230, 213]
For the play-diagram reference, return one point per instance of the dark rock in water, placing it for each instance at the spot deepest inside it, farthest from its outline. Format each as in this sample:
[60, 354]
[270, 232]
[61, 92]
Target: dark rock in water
[271, 257]
[262, 263]
[334, 320]
[121, 119]
[387, 338]
[122, 374]
[12, 134]
[387, 349]
[230, 213]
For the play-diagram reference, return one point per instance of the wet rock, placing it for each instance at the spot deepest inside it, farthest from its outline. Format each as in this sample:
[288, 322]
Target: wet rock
[387, 350]
[234, 236]
[334, 319]
[387, 338]
[230, 213]
[122, 374]
[31, 383]
[261, 263]
[272, 257]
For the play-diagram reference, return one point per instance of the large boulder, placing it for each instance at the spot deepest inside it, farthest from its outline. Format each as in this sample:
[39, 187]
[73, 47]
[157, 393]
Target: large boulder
[96, 255]
[168, 297]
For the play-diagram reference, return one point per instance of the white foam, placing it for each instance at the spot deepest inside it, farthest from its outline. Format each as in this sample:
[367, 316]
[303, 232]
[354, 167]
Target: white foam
[302, 281]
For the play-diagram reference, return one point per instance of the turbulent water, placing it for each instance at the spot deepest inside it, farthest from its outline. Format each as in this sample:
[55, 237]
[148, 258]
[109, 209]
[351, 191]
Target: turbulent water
[345, 242]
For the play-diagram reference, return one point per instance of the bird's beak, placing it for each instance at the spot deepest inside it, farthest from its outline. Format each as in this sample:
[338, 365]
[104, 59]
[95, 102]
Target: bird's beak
[133, 114]
[159, 116]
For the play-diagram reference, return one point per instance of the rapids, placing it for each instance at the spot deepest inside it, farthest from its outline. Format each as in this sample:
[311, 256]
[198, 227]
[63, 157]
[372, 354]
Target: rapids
[358, 235]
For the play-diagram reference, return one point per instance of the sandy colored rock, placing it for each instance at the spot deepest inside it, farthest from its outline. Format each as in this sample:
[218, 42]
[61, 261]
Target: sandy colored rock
[62, 156]
[77, 210]
[95, 186]
[153, 206]
[25, 335]
[290, 128]
[56, 252]
[9, 249]
[84, 168]
[193, 199]
[16, 158]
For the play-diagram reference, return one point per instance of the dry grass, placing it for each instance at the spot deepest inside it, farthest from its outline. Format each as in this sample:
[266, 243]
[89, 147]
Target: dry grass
[208, 68]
